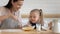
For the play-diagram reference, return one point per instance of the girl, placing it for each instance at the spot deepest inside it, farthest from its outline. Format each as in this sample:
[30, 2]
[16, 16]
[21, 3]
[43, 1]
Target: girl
[36, 17]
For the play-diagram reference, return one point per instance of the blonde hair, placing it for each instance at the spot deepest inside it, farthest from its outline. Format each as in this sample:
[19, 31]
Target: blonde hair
[40, 14]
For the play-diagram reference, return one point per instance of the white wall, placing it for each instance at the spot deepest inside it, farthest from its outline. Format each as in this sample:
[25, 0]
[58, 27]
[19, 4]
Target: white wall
[48, 6]
[3, 2]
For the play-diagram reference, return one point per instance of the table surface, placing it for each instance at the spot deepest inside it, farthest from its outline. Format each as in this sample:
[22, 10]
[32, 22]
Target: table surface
[19, 31]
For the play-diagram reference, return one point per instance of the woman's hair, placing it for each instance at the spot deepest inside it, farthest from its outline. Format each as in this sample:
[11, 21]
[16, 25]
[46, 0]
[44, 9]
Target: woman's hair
[9, 5]
[40, 14]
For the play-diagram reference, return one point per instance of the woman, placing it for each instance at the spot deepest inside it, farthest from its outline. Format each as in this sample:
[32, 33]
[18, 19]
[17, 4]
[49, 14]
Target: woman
[9, 15]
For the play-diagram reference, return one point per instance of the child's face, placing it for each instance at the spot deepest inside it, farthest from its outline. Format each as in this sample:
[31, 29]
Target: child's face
[34, 17]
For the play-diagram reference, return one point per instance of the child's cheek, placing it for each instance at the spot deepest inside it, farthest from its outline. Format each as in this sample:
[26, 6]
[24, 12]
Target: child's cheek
[37, 19]
[34, 21]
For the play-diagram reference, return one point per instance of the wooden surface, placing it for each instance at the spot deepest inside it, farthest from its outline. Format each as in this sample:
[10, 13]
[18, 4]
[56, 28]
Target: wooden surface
[25, 32]
[46, 15]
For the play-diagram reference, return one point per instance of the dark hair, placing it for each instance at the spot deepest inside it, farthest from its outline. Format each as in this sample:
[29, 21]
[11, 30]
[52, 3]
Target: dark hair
[9, 5]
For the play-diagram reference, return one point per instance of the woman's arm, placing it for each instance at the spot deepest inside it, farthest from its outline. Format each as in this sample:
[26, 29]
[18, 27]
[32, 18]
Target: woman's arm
[3, 13]
[3, 17]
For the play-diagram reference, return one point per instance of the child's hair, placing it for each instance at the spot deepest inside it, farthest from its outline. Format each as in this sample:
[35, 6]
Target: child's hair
[40, 14]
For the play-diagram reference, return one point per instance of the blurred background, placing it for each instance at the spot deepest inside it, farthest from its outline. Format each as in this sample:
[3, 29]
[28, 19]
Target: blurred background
[51, 9]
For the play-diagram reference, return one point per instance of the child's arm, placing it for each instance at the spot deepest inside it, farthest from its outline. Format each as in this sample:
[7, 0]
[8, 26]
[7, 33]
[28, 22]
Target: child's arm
[45, 26]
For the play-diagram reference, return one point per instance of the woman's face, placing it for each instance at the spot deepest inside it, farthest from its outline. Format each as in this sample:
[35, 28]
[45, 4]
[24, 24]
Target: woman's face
[17, 5]
[34, 17]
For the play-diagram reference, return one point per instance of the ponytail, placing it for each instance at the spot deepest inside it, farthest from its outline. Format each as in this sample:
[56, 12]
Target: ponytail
[41, 16]
[40, 12]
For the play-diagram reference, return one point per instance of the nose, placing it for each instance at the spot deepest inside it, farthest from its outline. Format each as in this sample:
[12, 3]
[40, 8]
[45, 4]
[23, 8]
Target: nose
[32, 18]
[20, 4]
[18, 7]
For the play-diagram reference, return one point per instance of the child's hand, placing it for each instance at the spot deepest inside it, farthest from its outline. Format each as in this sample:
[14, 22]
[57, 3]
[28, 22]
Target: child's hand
[50, 25]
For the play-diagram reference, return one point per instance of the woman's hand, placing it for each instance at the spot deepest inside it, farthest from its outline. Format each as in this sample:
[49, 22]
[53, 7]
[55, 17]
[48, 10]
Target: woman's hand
[12, 16]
